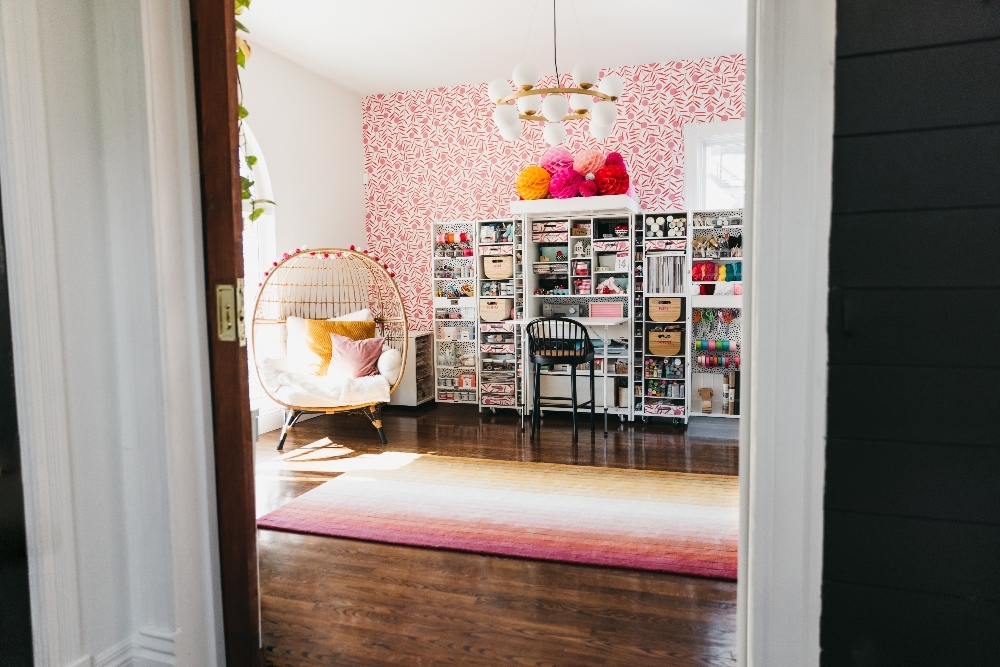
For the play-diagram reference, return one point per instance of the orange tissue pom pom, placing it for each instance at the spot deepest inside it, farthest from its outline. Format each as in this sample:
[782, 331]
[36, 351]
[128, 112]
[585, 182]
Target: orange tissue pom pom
[533, 182]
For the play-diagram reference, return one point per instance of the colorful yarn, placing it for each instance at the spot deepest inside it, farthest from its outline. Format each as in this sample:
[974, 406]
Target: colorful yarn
[565, 183]
[533, 182]
[556, 159]
[589, 161]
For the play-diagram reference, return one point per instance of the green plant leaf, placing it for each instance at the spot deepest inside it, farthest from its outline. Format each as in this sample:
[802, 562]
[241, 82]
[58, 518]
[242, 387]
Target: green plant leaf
[251, 160]
[243, 112]
[240, 26]
[256, 213]
[241, 60]
[263, 201]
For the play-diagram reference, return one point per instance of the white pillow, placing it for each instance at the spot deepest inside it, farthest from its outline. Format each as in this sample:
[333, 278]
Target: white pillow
[298, 354]
[363, 315]
[390, 363]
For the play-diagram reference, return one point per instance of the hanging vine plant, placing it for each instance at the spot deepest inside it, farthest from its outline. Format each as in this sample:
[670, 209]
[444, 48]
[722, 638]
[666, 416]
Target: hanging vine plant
[256, 204]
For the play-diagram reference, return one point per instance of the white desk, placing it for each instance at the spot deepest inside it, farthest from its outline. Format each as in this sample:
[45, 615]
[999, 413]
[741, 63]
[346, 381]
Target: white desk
[590, 323]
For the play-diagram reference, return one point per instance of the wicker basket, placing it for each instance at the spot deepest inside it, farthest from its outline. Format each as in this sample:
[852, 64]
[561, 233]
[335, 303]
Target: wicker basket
[495, 310]
[665, 310]
[665, 343]
[498, 267]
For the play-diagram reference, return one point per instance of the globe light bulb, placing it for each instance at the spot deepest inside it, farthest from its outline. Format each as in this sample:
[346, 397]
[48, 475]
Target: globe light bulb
[529, 104]
[554, 108]
[499, 89]
[512, 132]
[580, 103]
[554, 134]
[525, 76]
[506, 116]
[612, 85]
[599, 132]
[605, 113]
[585, 74]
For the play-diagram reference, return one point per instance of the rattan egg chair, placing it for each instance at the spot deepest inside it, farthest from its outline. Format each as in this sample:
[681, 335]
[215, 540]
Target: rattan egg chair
[322, 284]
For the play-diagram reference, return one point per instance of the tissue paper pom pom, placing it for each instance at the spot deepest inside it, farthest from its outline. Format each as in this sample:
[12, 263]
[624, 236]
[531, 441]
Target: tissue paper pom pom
[588, 188]
[533, 182]
[615, 158]
[565, 183]
[556, 159]
[352, 247]
[611, 180]
[589, 161]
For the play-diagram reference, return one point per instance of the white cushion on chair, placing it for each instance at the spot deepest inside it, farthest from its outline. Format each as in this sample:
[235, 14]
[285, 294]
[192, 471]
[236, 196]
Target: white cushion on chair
[363, 315]
[390, 363]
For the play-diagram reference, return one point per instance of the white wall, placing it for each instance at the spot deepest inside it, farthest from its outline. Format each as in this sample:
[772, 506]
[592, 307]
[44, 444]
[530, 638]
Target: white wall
[309, 130]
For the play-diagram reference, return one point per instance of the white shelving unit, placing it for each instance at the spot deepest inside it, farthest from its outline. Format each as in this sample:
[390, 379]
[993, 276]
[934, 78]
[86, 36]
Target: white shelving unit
[662, 386]
[600, 250]
[500, 353]
[453, 283]
[714, 309]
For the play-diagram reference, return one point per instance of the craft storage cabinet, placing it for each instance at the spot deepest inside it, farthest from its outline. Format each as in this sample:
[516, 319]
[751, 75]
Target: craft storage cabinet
[501, 301]
[579, 262]
[662, 380]
[417, 385]
[717, 296]
[454, 273]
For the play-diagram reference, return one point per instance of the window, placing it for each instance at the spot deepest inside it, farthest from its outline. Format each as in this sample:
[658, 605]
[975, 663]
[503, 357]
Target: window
[715, 165]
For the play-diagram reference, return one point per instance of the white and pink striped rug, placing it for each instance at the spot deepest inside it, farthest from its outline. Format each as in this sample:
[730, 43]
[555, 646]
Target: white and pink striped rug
[663, 521]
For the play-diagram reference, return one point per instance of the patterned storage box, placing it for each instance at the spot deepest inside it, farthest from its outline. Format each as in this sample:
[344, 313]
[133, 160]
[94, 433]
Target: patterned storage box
[607, 309]
[498, 388]
[496, 348]
[550, 226]
[611, 246]
[495, 310]
[497, 327]
[550, 237]
[666, 244]
[504, 401]
[498, 267]
[494, 250]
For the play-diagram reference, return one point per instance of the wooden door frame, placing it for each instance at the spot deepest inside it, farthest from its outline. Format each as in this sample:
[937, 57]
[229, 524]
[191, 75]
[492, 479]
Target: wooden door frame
[214, 45]
[790, 55]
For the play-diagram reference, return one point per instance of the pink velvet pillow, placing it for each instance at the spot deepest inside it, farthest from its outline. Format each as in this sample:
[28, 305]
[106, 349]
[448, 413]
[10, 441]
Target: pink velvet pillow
[354, 358]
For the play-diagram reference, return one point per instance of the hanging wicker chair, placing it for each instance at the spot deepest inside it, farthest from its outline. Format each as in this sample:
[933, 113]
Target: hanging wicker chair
[322, 284]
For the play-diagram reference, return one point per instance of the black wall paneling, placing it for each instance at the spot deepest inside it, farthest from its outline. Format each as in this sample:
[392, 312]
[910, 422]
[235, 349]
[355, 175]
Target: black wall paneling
[911, 558]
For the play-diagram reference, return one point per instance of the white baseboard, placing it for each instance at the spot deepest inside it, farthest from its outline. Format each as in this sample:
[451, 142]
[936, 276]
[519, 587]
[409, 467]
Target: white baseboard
[144, 649]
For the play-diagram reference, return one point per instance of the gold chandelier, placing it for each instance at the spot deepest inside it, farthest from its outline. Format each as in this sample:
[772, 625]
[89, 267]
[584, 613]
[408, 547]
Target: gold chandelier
[590, 98]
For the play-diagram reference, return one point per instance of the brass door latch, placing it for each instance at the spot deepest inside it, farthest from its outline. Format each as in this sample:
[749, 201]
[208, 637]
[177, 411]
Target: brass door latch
[230, 320]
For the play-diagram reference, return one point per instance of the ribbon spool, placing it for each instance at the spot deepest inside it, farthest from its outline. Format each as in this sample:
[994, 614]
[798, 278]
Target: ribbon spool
[712, 344]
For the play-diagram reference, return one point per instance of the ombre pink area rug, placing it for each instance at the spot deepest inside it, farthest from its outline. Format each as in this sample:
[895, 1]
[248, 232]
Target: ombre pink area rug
[647, 520]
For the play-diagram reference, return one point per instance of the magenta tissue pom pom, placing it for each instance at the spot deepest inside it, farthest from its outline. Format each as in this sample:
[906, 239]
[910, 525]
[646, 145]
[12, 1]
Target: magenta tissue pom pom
[589, 161]
[615, 158]
[588, 188]
[556, 159]
[352, 247]
[565, 183]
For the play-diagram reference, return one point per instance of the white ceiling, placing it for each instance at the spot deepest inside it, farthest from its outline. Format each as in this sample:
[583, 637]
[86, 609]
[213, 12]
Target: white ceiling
[380, 46]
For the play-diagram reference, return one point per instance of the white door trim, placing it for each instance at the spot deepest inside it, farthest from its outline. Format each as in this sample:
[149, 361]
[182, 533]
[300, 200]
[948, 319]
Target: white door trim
[695, 137]
[790, 68]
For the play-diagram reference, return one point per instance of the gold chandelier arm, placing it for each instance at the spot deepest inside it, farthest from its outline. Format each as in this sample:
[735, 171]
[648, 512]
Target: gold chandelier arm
[571, 91]
[539, 118]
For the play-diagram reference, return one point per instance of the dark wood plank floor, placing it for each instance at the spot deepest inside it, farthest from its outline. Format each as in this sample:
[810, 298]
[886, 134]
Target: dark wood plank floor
[328, 601]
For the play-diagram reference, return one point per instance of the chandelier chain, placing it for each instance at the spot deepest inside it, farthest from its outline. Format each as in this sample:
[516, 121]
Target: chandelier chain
[527, 37]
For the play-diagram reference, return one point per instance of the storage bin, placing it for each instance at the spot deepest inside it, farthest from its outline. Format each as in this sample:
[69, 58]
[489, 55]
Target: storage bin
[665, 343]
[550, 226]
[495, 310]
[498, 267]
[665, 310]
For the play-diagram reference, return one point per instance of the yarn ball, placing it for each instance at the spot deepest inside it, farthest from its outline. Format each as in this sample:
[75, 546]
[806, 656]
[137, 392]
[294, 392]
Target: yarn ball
[615, 158]
[588, 188]
[556, 159]
[611, 180]
[533, 182]
[589, 161]
[565, 183]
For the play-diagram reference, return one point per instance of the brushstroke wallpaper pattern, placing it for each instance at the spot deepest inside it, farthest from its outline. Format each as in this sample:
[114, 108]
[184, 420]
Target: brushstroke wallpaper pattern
[434, 155]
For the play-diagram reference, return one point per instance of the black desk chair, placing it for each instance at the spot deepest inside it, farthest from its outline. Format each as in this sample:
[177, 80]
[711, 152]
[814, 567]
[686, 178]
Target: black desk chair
[557, 340]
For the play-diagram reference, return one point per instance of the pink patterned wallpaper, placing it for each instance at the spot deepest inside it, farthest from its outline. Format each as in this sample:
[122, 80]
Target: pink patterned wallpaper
[435, 155]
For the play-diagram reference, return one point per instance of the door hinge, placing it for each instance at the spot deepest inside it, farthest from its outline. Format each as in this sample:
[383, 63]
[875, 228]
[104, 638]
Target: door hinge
[225, 312]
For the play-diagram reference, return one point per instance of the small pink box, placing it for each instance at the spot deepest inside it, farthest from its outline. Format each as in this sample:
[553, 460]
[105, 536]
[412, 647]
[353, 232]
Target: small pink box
[607, 309]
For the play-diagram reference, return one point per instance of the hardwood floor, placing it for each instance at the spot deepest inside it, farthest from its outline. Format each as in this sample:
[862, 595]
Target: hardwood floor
[328, 601]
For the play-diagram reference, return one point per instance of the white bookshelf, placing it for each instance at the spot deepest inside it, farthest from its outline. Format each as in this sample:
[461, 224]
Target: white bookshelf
[454, 270]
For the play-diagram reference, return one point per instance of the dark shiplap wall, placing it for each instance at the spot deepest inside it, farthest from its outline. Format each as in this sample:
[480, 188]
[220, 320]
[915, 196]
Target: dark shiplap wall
[911, 572]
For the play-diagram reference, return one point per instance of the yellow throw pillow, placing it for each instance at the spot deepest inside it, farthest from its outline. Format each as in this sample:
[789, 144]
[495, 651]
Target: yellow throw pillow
[318, 339]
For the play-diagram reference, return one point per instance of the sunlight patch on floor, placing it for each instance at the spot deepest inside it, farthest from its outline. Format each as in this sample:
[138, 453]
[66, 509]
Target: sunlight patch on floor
[333, 461]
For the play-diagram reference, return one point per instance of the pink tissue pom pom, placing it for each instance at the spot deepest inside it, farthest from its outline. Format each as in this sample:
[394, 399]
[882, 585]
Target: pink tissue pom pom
[352, 246]
[588, 188]
[589, 161]
[565, 184]
[615, 158]
[285, 255]
[556, 159]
